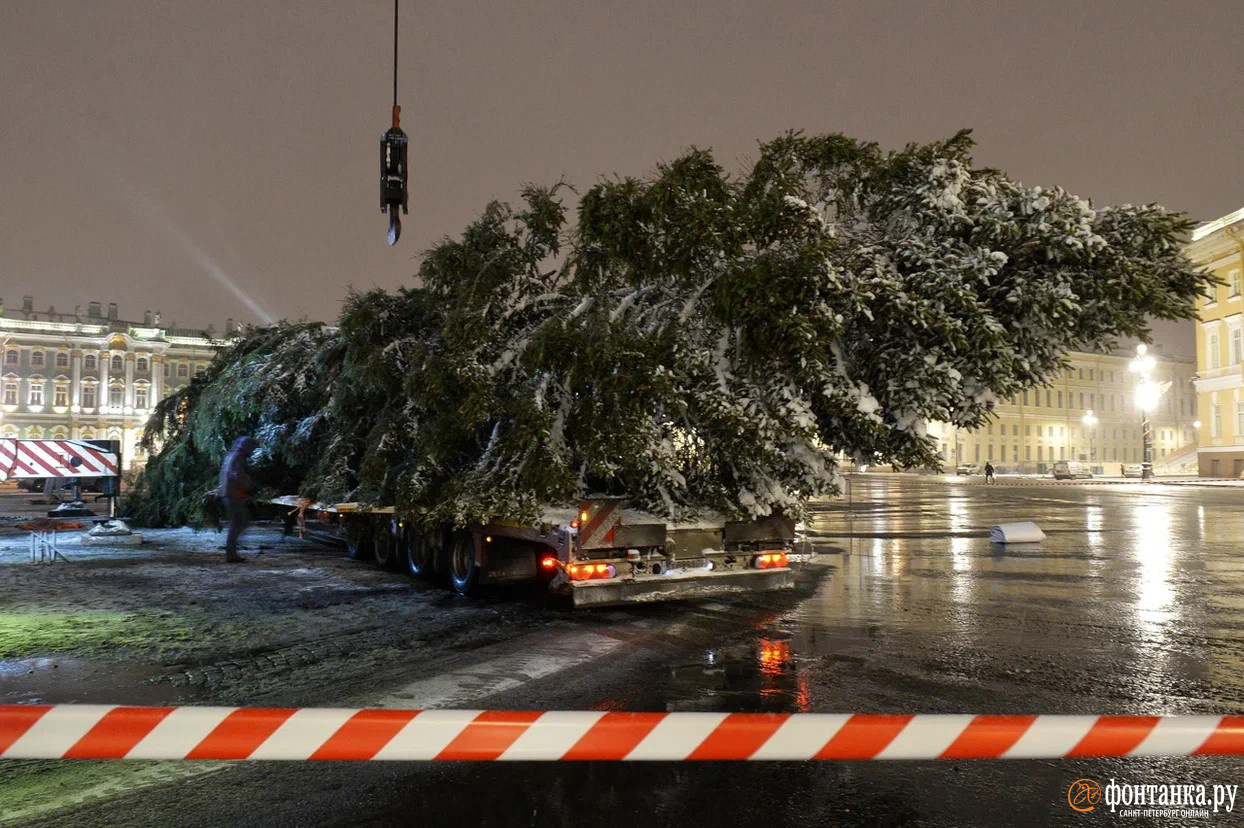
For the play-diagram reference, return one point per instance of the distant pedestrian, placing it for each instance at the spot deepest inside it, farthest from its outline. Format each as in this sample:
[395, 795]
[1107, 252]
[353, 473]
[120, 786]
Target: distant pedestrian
[1122, 470]
[989, 472]
[235, 488]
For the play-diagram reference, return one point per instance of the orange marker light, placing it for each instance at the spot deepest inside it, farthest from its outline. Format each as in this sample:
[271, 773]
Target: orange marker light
[583, 516]
[548, 563]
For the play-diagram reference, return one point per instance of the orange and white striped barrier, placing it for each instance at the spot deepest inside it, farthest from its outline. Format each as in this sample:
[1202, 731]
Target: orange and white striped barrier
[223, 733]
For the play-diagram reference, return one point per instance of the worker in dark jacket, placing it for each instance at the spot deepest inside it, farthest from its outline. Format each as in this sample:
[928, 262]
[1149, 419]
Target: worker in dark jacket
[235, 487]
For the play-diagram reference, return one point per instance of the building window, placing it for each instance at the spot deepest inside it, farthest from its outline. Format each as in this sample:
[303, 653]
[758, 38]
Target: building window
[88, 362]
[1048, 401]
[1015, 431]
[1060, 399]
[117, 365]
[168, 369]
[1025, 398]
[1027, 431]
[140, 397]
[36, 395]
[1090, 373]
[200, 372]
[1215, 422]
[1211, 349]
[1038, 431]
[1092, 400]
[116, 397]
[62, 359]
[88, 396]
[1015, 453]
[1239, 419]
[36, 359]
[1211, 294]
[61, 396]
[1233, 283]
[10, 356]
[1082, 399]
[1237, 346]
[141, 365]
[10, 393]
[183, 370]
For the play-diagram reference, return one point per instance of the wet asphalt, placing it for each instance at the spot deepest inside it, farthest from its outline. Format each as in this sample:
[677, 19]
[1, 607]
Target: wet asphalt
[1133, 605]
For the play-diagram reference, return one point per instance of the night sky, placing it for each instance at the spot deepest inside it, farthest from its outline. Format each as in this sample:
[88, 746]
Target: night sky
[154, 153]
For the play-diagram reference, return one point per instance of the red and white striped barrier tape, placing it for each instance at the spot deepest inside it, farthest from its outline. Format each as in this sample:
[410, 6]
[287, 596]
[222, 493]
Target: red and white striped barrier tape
[222, 733]
[54, 458]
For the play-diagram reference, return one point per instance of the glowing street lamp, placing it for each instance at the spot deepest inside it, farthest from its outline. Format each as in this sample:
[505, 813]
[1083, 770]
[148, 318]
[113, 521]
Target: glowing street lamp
[1148, 393]
[1090, 423]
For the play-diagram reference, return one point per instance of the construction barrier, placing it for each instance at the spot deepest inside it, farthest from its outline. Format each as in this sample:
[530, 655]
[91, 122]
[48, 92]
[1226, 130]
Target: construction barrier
[224, 733]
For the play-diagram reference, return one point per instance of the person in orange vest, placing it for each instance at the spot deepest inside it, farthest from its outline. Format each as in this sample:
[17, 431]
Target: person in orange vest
[235, 487]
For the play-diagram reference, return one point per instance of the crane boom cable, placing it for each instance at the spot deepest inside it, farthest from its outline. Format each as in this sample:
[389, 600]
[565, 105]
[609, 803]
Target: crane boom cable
[395, 2]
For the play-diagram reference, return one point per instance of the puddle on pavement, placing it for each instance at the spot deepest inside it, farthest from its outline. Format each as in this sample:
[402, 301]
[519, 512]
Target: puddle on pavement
[760, 676]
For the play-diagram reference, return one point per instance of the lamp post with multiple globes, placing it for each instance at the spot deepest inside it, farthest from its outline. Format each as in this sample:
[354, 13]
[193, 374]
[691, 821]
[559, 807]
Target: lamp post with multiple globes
[1090, 425]
[1148, 393]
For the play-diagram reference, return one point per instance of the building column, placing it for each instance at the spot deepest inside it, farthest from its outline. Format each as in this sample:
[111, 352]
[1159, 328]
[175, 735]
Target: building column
[157, 379]
[129, 381]
[101, 391]
[75, 393]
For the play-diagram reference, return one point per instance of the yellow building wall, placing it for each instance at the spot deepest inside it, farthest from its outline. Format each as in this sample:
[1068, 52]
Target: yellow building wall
[1217, 247]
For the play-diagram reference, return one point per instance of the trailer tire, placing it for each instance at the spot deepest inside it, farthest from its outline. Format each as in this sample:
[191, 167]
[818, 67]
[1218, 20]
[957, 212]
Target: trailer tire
[385, 538]
[419, 554]
[463, 569]
[357, 536]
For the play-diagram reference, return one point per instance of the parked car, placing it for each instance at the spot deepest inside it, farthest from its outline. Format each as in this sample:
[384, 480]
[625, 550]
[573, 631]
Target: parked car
[1071, 470]
[967, 468]
[1134, 470]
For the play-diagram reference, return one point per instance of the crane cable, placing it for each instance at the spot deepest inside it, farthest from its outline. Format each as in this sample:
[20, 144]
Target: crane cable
[397, 110]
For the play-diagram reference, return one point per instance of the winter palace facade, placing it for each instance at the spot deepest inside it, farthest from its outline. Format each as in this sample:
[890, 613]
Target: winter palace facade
[90, 374]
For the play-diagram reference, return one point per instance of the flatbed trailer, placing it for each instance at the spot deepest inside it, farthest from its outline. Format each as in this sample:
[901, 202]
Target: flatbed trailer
[599, 554]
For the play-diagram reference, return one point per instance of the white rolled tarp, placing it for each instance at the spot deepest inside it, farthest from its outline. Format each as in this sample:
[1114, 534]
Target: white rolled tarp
[1026, 532]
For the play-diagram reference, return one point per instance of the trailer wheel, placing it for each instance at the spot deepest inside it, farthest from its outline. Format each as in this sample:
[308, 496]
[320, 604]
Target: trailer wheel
[357, 536]
[419, 552]
[384, 544]
[463, 570]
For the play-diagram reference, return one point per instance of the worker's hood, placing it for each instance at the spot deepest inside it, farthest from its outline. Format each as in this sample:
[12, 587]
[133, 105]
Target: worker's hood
[244, 445]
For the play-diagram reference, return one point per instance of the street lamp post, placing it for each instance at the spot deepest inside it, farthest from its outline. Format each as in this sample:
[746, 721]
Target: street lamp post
[1148, 393]
[1090, 423]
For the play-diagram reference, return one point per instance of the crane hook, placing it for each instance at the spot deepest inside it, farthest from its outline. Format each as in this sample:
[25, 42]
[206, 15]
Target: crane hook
[393, 173]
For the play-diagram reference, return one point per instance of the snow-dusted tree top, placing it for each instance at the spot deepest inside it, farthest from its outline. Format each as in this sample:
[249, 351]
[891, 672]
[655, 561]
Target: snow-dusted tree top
[695, 341]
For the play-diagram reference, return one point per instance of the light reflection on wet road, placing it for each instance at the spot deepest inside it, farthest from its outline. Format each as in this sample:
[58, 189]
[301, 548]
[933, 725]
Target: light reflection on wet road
[1133, 604]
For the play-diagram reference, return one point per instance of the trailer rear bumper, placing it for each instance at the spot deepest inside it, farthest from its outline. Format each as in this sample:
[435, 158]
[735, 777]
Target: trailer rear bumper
[678, 586]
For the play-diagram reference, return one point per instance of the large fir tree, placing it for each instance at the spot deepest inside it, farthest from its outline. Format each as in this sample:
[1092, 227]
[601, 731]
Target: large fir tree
[696, 341]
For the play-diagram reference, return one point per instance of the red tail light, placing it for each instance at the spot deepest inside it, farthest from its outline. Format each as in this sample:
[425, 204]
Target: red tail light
[590, 571]
[770, 560]
[574, 524]
[548, 563]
